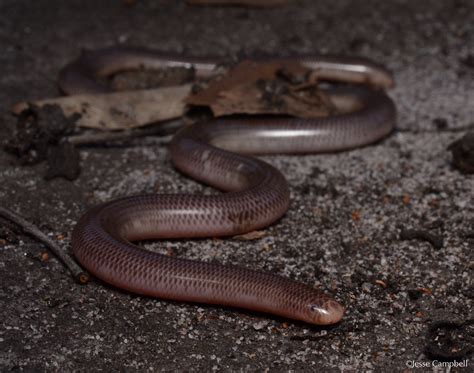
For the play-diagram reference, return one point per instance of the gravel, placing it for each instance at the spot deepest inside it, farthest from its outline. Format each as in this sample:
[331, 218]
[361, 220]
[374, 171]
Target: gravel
[342, 232]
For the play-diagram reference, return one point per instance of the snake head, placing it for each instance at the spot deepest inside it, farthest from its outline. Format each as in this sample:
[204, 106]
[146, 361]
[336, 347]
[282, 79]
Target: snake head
[324, 313]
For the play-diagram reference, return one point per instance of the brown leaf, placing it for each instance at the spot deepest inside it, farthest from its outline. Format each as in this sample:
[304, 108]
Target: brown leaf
[258, 88]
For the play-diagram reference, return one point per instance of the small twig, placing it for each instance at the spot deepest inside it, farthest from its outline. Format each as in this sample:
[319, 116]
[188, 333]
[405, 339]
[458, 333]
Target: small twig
[416, 234]
[77, 272]
[97, 138]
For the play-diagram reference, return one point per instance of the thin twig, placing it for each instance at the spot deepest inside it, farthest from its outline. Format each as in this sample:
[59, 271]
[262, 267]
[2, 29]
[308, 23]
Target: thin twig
[97, 138]
[77, 272]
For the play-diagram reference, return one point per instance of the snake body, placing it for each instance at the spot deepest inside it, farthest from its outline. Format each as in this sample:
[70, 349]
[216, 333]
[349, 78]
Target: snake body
[218, 153]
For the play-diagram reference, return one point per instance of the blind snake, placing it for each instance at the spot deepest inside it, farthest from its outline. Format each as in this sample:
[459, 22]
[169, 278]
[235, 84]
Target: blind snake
[217, 153]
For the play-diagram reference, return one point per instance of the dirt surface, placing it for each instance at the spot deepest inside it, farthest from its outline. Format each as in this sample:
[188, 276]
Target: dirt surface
[408, 302]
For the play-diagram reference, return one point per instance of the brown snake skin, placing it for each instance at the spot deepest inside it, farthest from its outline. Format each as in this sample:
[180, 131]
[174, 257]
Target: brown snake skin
[216, 153]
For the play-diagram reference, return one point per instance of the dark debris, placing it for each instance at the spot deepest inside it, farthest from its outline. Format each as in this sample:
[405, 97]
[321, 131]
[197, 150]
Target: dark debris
[40, 135]
[468, 61]
[418, 234]
[450, 341]
[63, 161]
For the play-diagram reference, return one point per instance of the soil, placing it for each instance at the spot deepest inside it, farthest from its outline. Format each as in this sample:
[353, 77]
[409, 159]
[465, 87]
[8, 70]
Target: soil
[408, 301]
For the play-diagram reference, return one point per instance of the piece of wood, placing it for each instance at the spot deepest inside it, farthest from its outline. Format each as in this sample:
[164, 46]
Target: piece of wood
[121, 110]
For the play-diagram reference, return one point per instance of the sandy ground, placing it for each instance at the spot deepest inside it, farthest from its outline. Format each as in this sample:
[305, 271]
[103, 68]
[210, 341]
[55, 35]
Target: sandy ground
[407, 300]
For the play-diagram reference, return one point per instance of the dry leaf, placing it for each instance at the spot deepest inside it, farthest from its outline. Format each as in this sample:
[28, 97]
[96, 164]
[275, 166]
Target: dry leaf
[248, 99]
[257, 88]
[244, 73]
[121, 110]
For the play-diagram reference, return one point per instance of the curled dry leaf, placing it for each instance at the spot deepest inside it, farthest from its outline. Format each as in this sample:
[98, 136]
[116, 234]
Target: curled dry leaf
[272, 87]
[121, 110]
